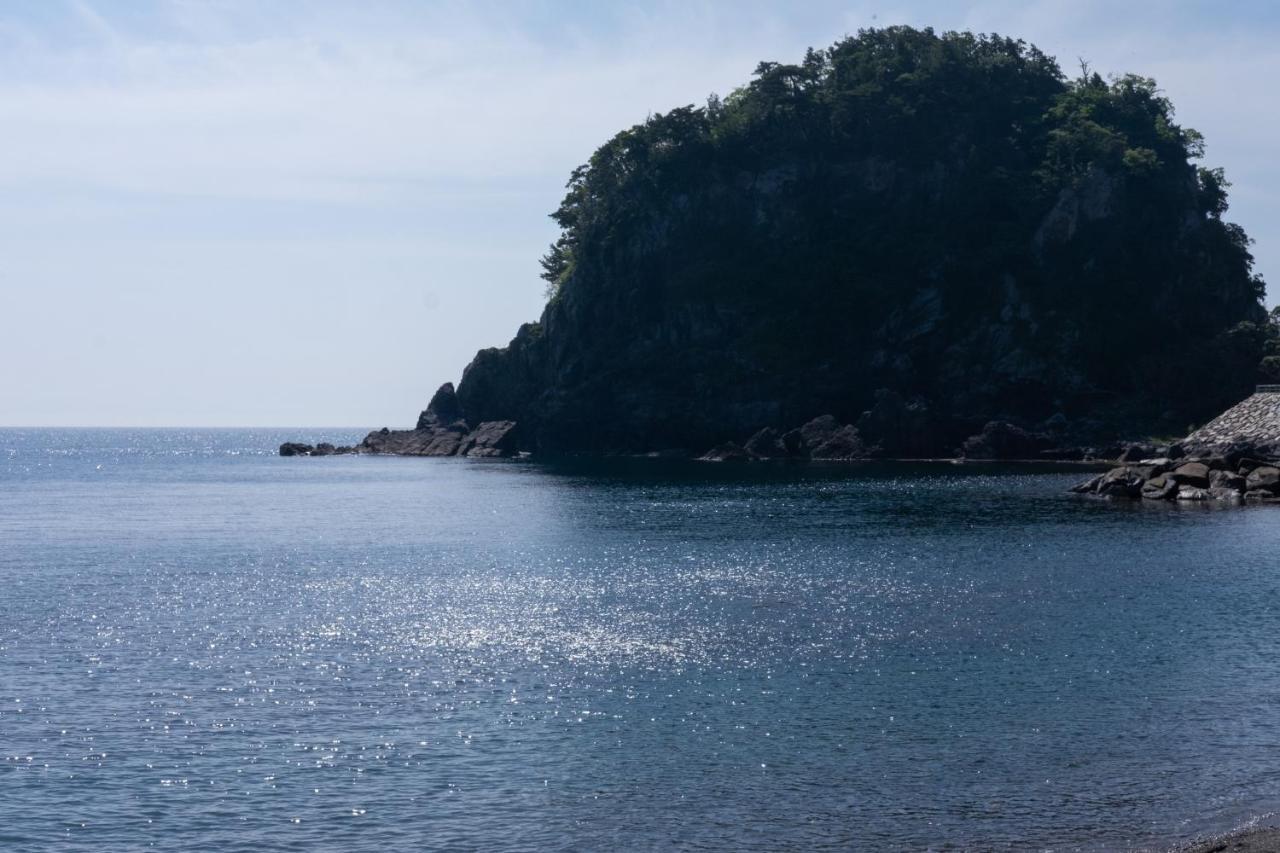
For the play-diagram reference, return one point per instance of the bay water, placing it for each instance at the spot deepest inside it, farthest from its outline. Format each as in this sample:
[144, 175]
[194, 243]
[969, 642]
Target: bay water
[204, 646]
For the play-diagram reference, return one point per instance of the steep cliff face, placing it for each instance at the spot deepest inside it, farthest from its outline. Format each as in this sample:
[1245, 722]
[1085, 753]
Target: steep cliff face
[943, 219]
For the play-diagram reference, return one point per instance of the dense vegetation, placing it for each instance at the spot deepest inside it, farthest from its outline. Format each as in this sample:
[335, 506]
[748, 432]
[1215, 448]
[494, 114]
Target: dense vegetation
[946, 216]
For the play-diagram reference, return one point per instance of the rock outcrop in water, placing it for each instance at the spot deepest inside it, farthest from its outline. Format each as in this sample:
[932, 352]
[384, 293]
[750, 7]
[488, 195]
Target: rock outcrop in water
[295, 448]
[942, 221]
[442, 430]
[938, 242]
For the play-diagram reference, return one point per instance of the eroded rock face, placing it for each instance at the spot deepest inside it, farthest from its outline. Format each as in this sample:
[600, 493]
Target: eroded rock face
[491, 438]
[443, 409]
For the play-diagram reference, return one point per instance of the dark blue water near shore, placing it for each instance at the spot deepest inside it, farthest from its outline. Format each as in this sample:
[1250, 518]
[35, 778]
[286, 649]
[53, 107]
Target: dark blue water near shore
[204, 646]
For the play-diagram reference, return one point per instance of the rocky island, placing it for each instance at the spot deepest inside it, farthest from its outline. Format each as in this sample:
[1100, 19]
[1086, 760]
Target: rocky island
[907, 245]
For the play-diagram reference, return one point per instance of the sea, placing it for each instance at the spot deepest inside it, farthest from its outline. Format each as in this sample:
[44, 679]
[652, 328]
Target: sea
[204, 646]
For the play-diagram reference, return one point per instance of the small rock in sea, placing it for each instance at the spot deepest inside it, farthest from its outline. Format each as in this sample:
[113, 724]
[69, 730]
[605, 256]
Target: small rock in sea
[294, 448]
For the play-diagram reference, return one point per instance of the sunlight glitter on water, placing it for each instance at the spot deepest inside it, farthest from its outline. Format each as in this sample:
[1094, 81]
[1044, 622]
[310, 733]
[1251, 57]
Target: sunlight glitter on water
[225, 648]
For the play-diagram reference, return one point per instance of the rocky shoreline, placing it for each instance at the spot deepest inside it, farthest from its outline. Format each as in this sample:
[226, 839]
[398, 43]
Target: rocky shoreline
[1237, 472]
[442, 430]
[1206, 466]
[893, 428]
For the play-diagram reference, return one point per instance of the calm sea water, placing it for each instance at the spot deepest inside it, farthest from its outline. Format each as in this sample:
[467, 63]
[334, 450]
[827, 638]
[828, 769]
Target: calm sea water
[205, 646]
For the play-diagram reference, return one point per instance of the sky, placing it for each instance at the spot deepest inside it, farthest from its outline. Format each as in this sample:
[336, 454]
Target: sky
[268, 213]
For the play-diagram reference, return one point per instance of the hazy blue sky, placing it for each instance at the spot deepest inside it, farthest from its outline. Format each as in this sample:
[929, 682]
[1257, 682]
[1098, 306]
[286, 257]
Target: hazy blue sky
[242, 212]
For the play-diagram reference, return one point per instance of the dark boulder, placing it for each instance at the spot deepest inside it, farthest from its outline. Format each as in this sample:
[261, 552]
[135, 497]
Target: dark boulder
[767, 444]
[803, 440]
[294, 448]
[324, 448]
[844, 443]
[818, 430]
[1264, 478]
[1001, 440]
[1160, 488]
[1138, 452]
[1227, 480]
[1089, 486]
[490, 439]
[1244, 466]
[1194, 474]
[727, 452]
[1121, 483]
